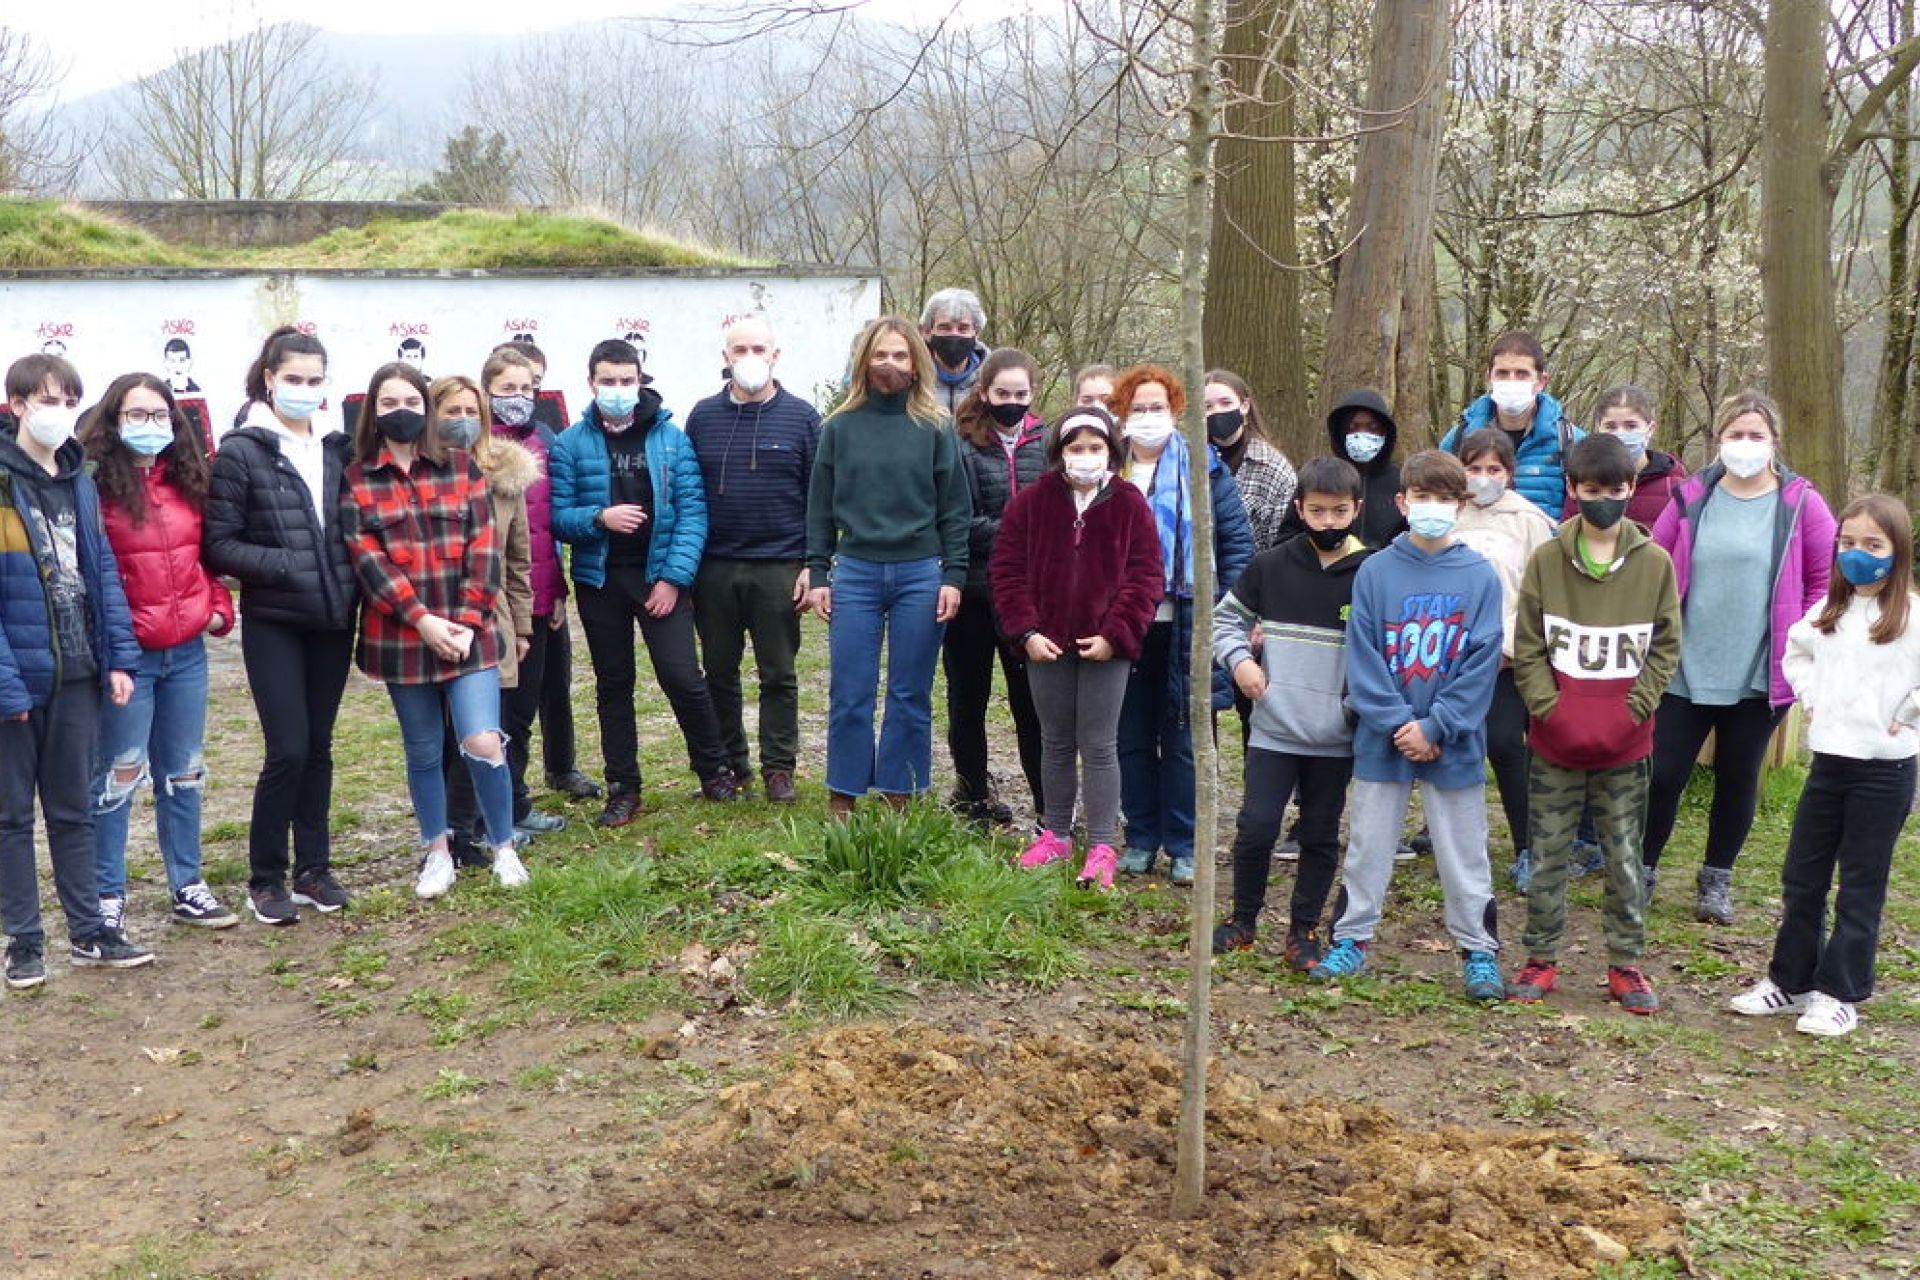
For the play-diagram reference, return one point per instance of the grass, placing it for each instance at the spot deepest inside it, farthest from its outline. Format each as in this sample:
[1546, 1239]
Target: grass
[46, 234]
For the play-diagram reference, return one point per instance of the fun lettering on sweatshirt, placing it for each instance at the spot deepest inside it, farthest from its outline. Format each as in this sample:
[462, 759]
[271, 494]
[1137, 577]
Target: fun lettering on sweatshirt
[1429, 635]
[1581, 652]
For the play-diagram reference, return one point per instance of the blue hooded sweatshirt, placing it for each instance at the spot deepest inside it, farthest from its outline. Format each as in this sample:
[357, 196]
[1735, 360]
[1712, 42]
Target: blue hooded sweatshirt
[1538, 473]
[1423, 643]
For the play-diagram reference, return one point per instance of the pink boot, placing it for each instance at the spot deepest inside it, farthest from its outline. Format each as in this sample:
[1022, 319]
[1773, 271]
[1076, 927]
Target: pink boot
[1098, 871]
[1046, 847]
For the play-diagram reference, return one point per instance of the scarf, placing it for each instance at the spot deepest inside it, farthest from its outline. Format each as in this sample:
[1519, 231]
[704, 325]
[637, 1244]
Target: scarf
[1172, 505]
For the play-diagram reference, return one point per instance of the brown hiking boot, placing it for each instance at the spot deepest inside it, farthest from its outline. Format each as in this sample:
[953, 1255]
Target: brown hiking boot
[840, 807]
[780, 788]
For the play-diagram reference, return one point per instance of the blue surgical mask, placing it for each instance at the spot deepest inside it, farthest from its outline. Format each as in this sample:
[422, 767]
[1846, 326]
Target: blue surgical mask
[297, 403]
[1432, 519]
[617, 403]
[146, 438]
[1863, 568]
[1634, 441]
[1365, 446]
[460, 432]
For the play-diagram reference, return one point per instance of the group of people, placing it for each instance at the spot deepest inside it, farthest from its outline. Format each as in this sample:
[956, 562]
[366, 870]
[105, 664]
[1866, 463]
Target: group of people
[1575, 610]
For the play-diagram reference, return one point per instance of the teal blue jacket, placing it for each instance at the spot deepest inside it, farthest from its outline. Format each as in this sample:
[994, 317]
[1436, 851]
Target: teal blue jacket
[582, 473]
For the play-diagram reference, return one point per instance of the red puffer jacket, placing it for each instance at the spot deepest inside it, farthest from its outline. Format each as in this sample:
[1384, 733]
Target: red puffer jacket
[172, 595]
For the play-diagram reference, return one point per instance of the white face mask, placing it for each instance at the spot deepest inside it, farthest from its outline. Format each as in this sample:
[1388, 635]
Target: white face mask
[752, 374]
[1746, 458]
[1085, 470]
[1486, 490]
[1149, 430]
[1511, 395]
[51, 425]
[1365, 446]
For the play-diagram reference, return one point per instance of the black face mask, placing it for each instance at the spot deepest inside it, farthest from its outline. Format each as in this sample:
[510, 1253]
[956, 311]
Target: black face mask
[951, 349]
[1603, 513]
[1330, 539]
[402, 426]
[1225, 425]
[1007, 415]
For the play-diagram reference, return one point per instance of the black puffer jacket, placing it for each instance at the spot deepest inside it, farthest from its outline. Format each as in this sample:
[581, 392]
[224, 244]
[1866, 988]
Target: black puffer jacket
[261, 529]
[993, 480]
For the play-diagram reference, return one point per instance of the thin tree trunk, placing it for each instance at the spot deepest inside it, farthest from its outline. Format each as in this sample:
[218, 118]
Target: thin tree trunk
[1190, 1173]
[1383, 305]
[1253, 322]
[1796, 266]
[1892, 425]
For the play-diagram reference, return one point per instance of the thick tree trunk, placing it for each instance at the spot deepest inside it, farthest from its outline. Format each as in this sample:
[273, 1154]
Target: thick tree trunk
[1190, 1172]
[1383, 304]
[1893, 427]
[1253, 322]
[1796, 263]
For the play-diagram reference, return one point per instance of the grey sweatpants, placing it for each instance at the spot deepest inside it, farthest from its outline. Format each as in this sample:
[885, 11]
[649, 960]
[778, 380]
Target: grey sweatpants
[1079, 707]
[1457, 822]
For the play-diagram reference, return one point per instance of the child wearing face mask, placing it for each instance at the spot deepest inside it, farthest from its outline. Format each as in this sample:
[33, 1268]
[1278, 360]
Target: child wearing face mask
[1627, 413]
[1854, 660]
[1597, 637]
[66, 638]
[1506, 529]
[1423, 648]
[1361, 431]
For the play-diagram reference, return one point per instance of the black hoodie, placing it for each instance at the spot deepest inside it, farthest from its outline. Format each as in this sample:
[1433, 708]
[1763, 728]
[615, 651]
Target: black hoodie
[1380, 519]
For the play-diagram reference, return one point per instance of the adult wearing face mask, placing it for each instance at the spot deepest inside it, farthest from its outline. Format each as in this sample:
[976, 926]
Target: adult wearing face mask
[1516, 401]
[1156, 731]
[1003, 449]
[1752, 547]
[1361, 429]
[1627, 413]
[629, 498]
[273, 524]
[951, 323]
[755, 441]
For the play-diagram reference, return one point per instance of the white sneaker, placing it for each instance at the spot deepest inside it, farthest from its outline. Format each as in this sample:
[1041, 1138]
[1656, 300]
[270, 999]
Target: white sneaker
[508, 869]
[436, 875]
[1764, 999]
[1826, 1016]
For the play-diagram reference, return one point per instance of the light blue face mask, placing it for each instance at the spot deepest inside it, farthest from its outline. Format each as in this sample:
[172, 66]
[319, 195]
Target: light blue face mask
[617, 402]
[297, 403]
[460, 432]
[1635, 442]
[1432, 519]
[146, 438]
[1365, 446]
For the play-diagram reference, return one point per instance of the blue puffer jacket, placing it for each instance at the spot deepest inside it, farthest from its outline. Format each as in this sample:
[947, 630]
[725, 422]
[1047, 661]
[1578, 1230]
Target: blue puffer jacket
[1537, 474]
[29, 663]
[581, 471]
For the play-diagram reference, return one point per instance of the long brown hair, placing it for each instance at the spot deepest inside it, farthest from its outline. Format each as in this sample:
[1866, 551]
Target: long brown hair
[1255, 424]
[367, 440]
[281, 343]
[921, 406]
[1896, 597]
[971, 419]
[184, 463]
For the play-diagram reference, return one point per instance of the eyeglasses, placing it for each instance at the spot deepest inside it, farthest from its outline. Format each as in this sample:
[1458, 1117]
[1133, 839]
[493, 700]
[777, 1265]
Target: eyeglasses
[141, 417]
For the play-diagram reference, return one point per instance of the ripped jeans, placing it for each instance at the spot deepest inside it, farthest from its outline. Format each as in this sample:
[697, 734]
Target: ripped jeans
[155, 740]
[472, 701]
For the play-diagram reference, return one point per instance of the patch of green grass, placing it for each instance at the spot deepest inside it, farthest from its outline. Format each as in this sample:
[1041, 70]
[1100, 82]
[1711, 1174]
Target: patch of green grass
[820, 963]
[160, 1258]
[452, 1083]
[46, 233]
[1160, 1006]
[1532, 1106]
[475, 238]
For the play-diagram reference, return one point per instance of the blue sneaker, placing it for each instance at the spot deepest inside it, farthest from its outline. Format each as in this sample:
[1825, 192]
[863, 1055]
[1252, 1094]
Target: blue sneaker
[1587, 858]
[1344, 959]
[1137, 862]
[1182, 871]
[1520, 874]
[1481, 974]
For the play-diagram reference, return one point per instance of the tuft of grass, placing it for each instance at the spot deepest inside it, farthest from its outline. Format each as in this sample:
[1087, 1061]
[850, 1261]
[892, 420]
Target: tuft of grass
[818, 962]
[46, 233]
[475, 238]
[452, 1083]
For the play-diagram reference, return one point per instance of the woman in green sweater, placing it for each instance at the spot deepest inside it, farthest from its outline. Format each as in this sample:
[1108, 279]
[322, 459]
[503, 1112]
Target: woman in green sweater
[887, 517]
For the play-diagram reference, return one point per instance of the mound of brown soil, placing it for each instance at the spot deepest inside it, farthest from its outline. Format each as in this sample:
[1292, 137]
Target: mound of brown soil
[909, 1151]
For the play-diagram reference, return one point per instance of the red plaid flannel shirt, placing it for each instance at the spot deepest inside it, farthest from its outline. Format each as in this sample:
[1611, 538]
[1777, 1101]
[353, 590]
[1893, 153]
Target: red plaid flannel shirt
[422, 542]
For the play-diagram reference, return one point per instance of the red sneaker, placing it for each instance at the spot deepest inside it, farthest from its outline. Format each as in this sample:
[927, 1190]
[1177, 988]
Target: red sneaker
[1630, 987]
[1535, 979]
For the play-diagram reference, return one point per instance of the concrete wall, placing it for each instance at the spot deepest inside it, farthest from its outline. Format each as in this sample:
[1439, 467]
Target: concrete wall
[246, 224]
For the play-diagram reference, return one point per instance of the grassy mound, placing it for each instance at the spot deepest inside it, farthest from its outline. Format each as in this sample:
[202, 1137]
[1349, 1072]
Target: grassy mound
[45, 233]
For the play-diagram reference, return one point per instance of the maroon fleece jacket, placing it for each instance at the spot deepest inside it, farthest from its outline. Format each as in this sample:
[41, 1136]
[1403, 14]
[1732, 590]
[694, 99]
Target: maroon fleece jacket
[1069, 577]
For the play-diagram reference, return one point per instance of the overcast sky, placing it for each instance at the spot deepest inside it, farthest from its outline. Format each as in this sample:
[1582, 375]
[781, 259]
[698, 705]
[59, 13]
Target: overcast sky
[145, 34]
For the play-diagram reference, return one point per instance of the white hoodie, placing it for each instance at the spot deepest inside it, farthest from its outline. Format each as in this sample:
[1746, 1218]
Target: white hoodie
[1854, 690]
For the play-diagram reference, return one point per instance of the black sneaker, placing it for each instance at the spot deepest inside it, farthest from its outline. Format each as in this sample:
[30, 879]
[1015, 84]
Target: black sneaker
[109, 949]
[575, 785]
[321, 892]
[196, 905]
[26, 965]
[273, 905]
[1232, 936]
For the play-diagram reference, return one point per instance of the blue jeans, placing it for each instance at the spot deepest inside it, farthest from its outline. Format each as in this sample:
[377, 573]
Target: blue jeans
[896, 603]
[160, 734]
[473, 701]
[1156, 753]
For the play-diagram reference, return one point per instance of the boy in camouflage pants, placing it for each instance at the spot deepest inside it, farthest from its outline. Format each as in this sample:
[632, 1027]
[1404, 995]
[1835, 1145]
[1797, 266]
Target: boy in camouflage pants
[1596, 639]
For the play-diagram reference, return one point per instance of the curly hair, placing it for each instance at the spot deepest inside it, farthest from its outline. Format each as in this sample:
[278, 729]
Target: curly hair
[184, 462]
[1120, 402]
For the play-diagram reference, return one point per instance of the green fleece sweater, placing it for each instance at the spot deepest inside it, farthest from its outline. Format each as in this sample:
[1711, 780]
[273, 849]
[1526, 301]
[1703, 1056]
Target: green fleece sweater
[888, 489]
[1592, 655]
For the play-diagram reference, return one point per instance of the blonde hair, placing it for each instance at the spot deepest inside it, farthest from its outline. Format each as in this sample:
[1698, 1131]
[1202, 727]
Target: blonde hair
[485, 451]
[501, 359]
[1742, 403]
[921, 406]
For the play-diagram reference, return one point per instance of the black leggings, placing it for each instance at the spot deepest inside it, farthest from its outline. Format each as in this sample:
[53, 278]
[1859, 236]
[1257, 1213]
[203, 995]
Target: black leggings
[1741, 733]
[1507, 753]
[297, 676]
[968, 652]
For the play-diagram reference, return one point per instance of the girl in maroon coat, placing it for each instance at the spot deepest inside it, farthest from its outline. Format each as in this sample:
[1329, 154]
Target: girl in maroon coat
[151, 466]
[1076, 576]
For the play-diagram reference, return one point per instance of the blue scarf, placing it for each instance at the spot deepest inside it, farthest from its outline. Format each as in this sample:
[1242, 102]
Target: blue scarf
[1172, 504]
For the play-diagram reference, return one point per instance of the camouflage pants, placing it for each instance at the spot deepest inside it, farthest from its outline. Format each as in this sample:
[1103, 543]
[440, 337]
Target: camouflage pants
[1556, 797]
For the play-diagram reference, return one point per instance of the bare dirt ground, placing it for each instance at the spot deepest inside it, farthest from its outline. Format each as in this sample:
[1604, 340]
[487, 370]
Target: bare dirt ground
[355, 1096]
